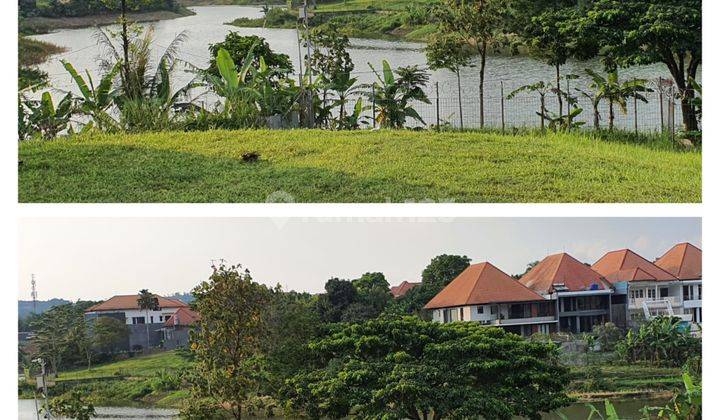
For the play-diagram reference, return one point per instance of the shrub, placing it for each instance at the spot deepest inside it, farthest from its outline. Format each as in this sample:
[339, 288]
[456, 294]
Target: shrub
[202, 409]
[607, 335]
[664, 341]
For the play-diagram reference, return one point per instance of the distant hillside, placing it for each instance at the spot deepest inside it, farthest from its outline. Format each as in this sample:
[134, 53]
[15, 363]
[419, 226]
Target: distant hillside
[183, 297]
[25, 307]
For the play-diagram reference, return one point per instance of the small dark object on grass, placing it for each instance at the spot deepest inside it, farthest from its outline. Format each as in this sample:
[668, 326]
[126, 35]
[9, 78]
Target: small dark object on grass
[250, 157]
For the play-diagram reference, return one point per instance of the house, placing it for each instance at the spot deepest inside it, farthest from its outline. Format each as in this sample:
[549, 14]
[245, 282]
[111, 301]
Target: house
[140, 322]
[646, 289]
[176, 331]
[401, 289]
[583, 298]
[485, 294]
[684, 261]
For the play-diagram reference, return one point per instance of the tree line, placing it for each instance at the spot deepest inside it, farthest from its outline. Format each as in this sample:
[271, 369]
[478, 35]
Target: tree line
[73, 8]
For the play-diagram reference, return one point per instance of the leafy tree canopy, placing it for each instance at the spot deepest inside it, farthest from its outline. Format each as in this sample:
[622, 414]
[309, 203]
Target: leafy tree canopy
[239, 46]
[398, 368]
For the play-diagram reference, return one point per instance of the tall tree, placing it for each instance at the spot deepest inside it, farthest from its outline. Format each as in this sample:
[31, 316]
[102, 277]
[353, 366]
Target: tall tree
[480, 24]
[633, 32]
[147, 302]
[109, 334]
[228, 339]
[449, 51]
[444, 268]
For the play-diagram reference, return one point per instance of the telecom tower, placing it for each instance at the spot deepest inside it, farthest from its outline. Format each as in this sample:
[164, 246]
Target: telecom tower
[34, 293]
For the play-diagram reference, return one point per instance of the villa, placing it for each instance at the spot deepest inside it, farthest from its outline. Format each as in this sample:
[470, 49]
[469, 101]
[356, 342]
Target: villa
[139, 322]
[563, 294]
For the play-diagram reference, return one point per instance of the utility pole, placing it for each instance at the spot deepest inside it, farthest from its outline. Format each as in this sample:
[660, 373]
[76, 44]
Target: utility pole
[126, 43]
[309, 92]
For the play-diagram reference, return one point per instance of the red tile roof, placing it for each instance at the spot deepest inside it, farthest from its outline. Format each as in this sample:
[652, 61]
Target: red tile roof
[480, 284]
[684, 261]
[563, 269]
[117, 303]
[183, 317]
[402, 288]
[621, 265]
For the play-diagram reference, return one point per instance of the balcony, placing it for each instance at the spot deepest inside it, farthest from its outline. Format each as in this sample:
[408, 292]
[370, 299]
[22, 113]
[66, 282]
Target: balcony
[521, 321]
[637, 303]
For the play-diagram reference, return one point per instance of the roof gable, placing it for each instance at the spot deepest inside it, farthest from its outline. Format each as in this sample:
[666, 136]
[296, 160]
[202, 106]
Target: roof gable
[562, 269]
[620, 265]
[480, 284]
[684, 261]
[401, 289]
[128, 302]
[183, 317]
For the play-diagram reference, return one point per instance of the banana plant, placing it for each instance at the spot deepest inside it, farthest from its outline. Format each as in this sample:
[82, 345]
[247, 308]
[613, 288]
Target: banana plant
[46, 120]
[563, 122]
[616, 92]
[352, 120]
[95, 102]
[233, 85]
[393, 95]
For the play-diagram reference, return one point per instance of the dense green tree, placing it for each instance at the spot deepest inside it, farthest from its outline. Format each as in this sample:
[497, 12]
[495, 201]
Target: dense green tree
[240, 47]
[109, 334]
[72, 406]
[397, 368]
[449, 51]
[444, 268]
[636, 32]
[228, 339]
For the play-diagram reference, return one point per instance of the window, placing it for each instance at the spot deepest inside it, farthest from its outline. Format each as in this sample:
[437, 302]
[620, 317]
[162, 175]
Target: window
[167, 317]
[651, 293]
[494, 309]
[480, 309]
[664, 292]
[699, 292]
[151, 319]
[138, 320]
[462, 313]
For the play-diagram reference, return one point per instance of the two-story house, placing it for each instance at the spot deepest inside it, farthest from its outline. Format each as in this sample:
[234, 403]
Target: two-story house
[684, 261]
[583, 297]
[483, 293]
[144, 326]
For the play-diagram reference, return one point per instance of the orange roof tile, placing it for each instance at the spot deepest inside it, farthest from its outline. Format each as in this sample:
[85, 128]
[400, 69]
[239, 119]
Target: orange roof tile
[566, 270]
[183, 317]
[121, 302]
[620, 265]
[402, 288]
[480, 284]
[684, 261]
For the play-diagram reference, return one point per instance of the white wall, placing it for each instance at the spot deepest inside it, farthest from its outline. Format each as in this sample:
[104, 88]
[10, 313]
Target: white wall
[157, 316]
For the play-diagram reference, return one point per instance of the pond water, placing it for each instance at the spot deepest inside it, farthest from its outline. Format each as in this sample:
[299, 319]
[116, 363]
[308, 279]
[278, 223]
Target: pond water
[208, 26]
[626, 409]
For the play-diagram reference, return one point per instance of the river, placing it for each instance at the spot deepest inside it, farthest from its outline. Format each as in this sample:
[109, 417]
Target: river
[208, 26]
[626, 409]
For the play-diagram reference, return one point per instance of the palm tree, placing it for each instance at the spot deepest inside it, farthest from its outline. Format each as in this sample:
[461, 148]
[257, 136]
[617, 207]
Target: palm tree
[147, 302]
[616, 92]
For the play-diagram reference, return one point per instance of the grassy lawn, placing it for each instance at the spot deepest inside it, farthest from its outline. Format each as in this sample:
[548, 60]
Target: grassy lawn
[144, 366]
[361, 166]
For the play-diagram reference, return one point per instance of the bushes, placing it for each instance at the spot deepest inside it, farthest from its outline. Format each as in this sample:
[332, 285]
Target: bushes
[607, 336]
[664, 341]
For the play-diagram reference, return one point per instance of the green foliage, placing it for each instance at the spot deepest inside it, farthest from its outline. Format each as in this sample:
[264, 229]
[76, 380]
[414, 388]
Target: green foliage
[447, 51]
[72, 406]
[109, 334]
[95, 102]
[685, 406]
[616, 92]
[42, 118]
[251, 47]
[607, 336]
[68, 8]
[664, 341]
[228, 340]
[393, 95]
[444, 268]
[405, 368]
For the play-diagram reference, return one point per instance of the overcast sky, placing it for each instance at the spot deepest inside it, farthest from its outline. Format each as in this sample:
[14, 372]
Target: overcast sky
[97, 258]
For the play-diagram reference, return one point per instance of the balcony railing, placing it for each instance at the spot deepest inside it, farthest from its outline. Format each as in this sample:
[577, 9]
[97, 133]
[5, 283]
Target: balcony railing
[637, 303]
[520, 321]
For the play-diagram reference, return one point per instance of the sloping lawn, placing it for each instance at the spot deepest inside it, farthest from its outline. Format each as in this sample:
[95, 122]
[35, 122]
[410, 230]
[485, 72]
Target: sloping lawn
[140, 366]
[361, 166]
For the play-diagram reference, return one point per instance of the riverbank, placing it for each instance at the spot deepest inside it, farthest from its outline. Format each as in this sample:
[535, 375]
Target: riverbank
[39, 24]
[32, 52]
[391, 20]
[354, 166]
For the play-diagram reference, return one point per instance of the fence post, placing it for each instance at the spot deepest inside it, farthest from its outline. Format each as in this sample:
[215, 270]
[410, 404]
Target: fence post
[373, 105]
[660, 96]
[437, 106]
[569, 121]
[671, 113]
[635, 122]
[482, 106]
[462, 127]
[670, 102]
[502, 107]
[542, 113]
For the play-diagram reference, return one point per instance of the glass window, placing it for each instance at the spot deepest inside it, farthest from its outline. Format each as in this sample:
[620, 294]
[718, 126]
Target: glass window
[664, 292]
[480, 309]
[699, 291]
[494, 309]
[651, 293]
[138, 320]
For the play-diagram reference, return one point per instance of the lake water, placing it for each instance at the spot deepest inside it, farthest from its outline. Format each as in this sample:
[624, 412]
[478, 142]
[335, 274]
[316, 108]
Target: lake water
[627, 409]
[208, 26]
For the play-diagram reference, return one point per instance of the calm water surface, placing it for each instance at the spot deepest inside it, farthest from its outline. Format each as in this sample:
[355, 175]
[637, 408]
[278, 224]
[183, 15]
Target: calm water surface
[208, 26]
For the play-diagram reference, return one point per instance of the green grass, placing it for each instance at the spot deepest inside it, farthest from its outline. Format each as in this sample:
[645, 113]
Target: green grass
[144, 366]
[361, 166]
[619, 377]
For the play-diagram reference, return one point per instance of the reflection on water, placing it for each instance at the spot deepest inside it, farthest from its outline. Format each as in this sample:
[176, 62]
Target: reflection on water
[208, 26]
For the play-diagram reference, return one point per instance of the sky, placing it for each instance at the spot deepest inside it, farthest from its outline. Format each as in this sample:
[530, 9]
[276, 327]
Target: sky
[96, 258]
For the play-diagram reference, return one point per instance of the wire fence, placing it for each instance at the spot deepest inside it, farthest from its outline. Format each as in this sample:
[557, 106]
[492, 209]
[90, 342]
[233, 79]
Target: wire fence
[656, 111]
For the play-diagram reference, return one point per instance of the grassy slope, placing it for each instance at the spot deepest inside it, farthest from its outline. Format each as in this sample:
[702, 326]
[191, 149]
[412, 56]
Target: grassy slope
[364, 166]
[145, 366]
[620, 379]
